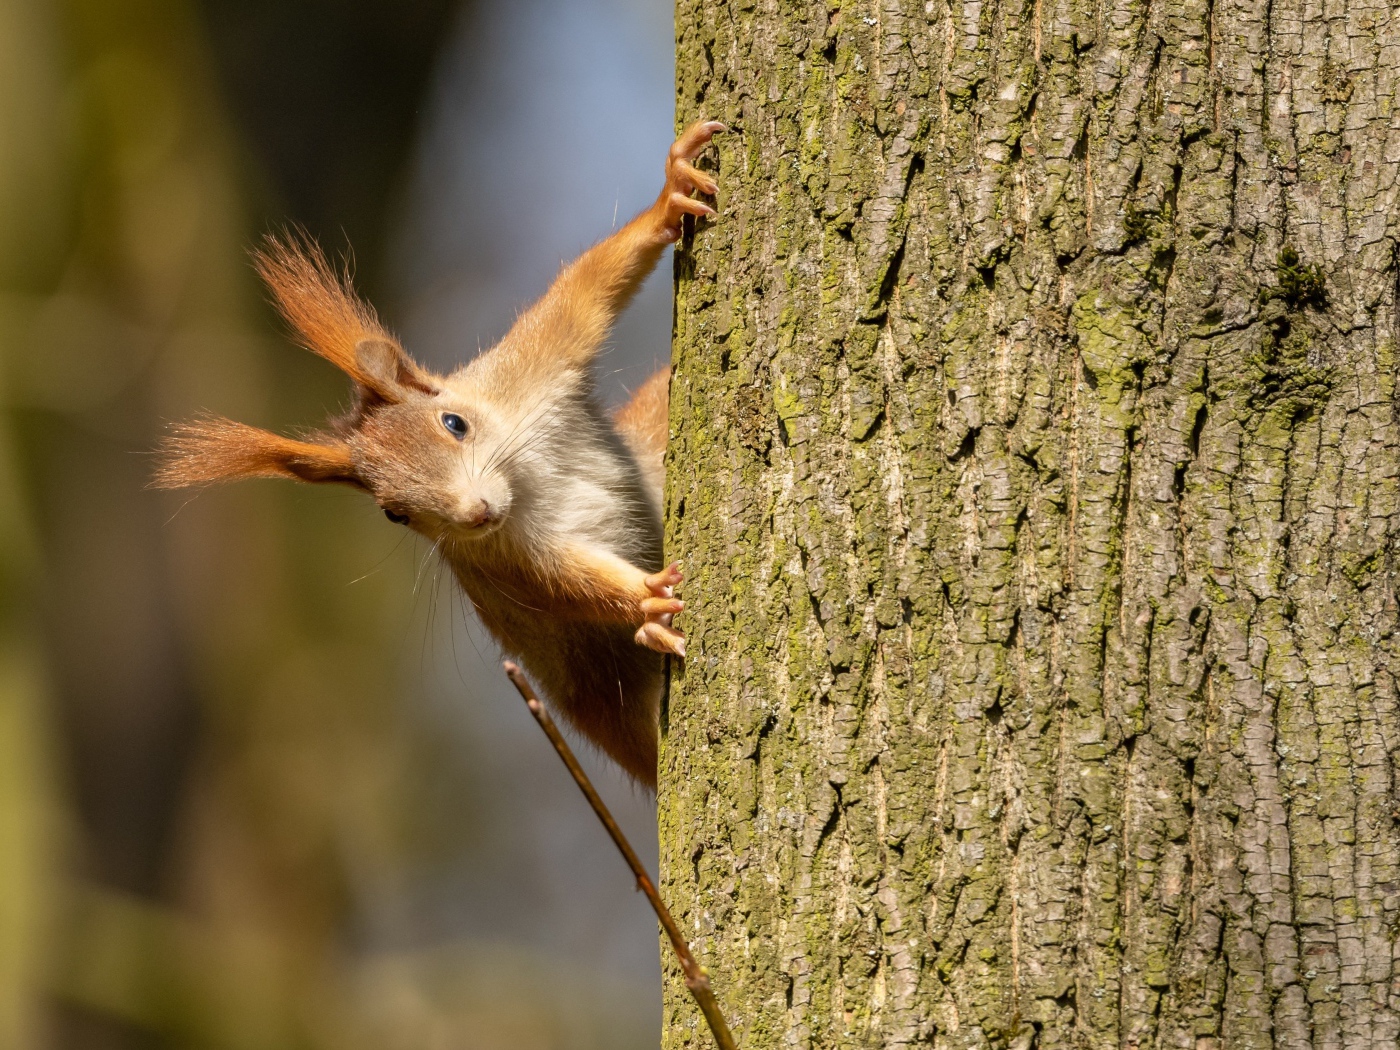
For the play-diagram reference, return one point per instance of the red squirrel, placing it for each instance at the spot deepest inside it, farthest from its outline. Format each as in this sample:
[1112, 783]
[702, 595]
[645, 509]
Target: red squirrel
[547, 510]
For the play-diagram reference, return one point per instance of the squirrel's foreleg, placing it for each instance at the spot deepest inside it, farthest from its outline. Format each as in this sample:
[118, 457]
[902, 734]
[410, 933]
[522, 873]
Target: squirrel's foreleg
[567, 327]
[597, 585]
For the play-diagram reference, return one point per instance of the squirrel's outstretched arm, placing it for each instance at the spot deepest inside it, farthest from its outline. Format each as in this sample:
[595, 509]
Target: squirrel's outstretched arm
[566, 328]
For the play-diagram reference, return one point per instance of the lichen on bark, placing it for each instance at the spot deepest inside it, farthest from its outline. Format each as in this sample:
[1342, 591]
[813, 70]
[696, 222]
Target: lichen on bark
[1034, 464]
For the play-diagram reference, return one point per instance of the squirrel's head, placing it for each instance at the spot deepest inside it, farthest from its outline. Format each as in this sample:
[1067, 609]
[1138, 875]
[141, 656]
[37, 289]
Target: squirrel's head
[430, 453]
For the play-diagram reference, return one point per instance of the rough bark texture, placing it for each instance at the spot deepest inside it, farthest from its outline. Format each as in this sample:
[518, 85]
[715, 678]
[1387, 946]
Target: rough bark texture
[1034, 464]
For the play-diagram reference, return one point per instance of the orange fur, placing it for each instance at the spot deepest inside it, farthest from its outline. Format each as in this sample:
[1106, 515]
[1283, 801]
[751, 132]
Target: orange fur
[579, 583]
[589, 669]
[644, 423]
[214, 449]
[557, 573]
[567, 326]
[331, 320]
[597, 585]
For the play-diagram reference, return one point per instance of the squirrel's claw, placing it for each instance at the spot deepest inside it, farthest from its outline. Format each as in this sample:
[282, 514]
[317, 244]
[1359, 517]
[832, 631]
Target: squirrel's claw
[686, 173]
[657, 608]
[683, 178]
[662, 606]
[661, 583]
[693, 139]
[660, 638]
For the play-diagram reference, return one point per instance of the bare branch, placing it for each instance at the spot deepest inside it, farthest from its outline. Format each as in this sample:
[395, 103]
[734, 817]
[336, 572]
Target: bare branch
[696, 978]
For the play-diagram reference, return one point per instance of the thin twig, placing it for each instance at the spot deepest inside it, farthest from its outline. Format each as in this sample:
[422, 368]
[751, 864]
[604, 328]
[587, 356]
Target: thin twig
[695, 977]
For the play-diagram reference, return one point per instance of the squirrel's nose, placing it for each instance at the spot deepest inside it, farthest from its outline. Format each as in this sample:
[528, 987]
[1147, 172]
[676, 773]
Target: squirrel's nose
[475, 513]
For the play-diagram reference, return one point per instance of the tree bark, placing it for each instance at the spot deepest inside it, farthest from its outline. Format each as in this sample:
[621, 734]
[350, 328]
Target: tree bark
[1034, 465]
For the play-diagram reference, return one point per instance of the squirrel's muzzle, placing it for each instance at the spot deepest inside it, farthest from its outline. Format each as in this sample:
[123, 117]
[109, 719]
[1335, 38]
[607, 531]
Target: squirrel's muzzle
[477, 513]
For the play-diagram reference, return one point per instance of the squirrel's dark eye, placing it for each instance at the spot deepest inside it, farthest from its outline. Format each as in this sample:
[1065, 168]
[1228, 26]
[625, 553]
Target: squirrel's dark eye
[397, 519]
[455, 424]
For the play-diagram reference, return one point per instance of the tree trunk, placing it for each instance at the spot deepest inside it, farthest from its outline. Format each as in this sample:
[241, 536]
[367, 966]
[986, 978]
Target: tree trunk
[1034, 466]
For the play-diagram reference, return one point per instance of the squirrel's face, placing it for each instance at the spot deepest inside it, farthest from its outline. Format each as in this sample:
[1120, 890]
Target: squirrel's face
[437, 463]
[436, 453]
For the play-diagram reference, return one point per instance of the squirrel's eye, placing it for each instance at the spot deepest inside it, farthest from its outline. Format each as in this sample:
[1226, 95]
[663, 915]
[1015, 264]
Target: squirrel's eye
[397, 519]
[455, 424]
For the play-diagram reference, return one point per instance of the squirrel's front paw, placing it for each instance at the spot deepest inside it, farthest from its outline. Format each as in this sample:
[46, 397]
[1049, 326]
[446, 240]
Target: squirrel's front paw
[656, 631]
[683, 178]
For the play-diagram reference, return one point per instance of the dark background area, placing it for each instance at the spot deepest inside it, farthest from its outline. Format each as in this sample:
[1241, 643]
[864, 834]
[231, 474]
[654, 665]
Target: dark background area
[328, 97]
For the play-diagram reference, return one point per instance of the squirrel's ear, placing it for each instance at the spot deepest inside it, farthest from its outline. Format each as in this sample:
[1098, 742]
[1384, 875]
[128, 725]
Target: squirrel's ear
[211, 450]
[389, 369]
[332, 321]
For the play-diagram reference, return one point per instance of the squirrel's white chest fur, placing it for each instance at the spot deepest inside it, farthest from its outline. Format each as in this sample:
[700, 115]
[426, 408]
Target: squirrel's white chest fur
[572, 480]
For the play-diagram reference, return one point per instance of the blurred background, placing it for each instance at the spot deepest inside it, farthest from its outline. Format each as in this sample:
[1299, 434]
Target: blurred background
[261, 781]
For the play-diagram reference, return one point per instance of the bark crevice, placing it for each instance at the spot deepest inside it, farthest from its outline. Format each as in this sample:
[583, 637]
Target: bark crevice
[1061, 589]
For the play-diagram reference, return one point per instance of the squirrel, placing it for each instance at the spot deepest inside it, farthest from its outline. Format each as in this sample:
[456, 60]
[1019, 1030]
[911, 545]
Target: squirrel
[547, 510]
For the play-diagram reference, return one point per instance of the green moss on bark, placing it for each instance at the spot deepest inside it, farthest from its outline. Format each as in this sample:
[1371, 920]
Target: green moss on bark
[1039, 587]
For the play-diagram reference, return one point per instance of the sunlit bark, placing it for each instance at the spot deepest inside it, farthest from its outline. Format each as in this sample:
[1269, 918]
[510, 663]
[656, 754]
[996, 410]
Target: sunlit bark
[1034, 465]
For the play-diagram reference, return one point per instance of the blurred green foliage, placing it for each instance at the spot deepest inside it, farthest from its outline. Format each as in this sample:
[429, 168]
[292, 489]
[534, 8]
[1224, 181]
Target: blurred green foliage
[200, 752]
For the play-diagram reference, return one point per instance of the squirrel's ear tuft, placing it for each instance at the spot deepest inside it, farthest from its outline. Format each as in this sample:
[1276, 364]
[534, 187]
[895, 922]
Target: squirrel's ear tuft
[331, 320]
[211, 450]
